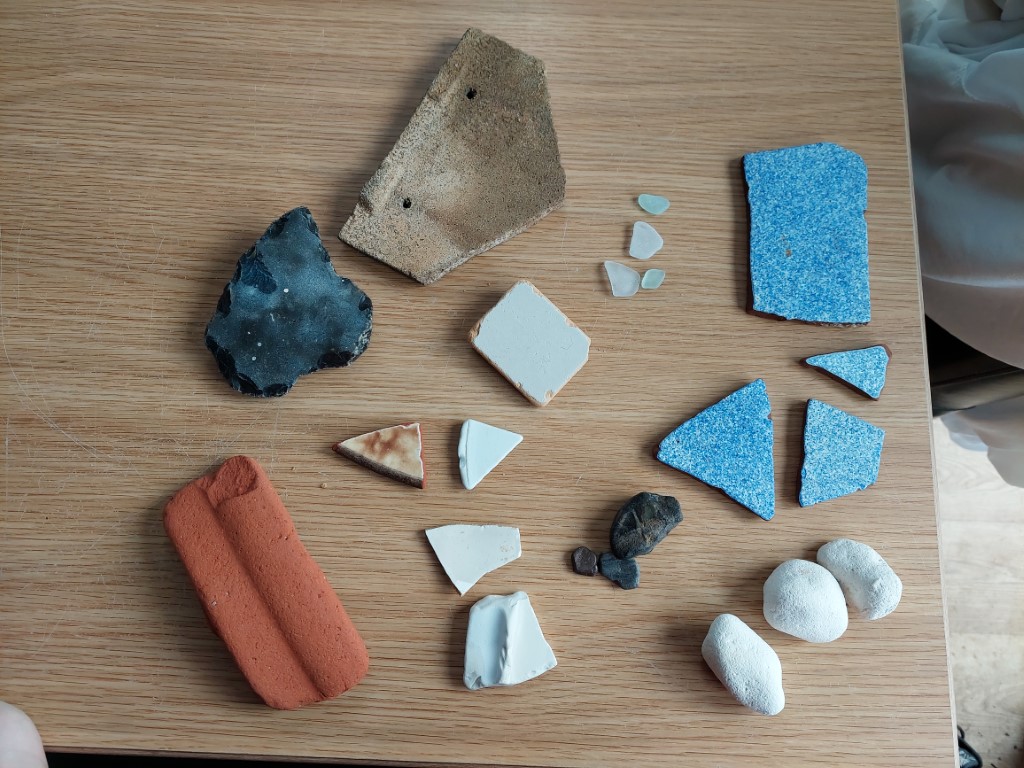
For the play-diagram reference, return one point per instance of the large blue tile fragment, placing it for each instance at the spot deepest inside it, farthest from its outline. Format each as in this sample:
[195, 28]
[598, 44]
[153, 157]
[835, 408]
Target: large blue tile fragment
[841, 454]
[862, 369]
[286, 312]
[729, 446]
[808, 236]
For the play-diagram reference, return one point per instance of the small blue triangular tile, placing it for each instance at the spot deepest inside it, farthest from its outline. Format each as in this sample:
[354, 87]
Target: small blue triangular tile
[729, 446]
[862, 369]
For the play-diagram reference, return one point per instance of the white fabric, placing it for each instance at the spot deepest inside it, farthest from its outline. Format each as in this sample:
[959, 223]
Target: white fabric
[999, 428]
[964, 62]
[964, 66]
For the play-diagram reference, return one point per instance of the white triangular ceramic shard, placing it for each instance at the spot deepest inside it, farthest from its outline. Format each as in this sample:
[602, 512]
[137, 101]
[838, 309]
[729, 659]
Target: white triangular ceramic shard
[469, 552]
[504, 643]
[482, 448]
[395, 452]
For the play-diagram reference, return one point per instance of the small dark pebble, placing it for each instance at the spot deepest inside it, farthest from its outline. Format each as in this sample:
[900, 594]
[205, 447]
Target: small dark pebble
[625, 573]
[642, 522]
[584, 561]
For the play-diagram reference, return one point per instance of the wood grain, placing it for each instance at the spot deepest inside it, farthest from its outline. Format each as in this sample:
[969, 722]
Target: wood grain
[981, 520]
[146, 145]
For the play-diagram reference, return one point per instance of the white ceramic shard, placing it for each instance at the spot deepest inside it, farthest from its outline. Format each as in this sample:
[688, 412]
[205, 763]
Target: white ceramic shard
[653, 204]
[504, 643]
[482, 447]
[469, 552]
[531, 343]
[747, 666]
[804, 600]
[646, 241]
[623, 280]
[653, 278]
[871, 586]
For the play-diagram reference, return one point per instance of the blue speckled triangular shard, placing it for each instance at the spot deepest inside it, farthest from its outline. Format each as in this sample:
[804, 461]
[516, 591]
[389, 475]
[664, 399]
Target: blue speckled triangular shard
[841, 454]
[729, 446]
[808, 236]
[862, 369]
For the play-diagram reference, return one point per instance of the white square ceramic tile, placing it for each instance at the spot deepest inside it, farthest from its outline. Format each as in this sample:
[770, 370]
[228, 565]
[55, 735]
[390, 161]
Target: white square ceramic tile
[530, 341]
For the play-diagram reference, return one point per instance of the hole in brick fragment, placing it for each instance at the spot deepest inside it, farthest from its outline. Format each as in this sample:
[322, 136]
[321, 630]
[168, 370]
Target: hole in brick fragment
[407, 203]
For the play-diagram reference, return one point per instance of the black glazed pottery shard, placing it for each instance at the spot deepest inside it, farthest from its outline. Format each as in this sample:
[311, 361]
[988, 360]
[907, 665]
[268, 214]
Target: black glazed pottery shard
[286, 312]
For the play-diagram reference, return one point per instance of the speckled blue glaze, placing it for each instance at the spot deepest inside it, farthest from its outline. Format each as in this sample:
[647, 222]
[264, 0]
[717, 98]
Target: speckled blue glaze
[863, 369]
[841, 454]
[729, 446]
[286, 312]
[808, 236]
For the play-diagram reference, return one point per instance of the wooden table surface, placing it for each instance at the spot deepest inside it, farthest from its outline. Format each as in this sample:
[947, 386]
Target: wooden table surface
[146, 145]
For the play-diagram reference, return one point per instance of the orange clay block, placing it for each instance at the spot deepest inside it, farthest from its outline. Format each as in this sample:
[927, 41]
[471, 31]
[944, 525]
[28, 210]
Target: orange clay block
[261, 590]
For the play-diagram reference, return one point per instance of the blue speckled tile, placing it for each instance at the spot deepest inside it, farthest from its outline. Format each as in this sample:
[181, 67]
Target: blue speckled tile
[808, 236]
[841, 454]
[862, 369]
[729, 446]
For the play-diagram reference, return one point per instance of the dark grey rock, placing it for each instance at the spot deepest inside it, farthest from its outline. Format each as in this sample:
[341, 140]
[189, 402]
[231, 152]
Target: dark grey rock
[642, 522]
[286, 312]
[625, 573]
[584, 561]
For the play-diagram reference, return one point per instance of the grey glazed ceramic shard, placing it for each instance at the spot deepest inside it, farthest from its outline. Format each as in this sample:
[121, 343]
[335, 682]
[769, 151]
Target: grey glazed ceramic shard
[286, 312]
[477, 164]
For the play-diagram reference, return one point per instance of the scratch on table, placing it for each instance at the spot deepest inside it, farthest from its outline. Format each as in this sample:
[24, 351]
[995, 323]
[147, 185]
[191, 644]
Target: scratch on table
[56, 624]
[27, 399]
[561, 245]
[228, 443]
[273, 441]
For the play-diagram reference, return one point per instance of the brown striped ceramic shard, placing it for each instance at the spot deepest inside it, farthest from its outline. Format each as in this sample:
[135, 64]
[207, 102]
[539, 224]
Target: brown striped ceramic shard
[395, 452]
[477, 164]
[262, 592]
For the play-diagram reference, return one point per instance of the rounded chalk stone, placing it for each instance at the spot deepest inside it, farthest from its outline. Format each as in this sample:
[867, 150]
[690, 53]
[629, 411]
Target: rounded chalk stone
[745, 663]
[871, 586]
[803, 599]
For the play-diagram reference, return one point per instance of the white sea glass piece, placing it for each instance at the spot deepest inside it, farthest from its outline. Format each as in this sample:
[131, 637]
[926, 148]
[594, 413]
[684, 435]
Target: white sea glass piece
[624, 281]
[646, 241]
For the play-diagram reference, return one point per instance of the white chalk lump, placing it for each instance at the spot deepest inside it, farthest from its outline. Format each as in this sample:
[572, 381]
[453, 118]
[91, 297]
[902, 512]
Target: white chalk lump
[803, 599]
[807, 600]
[747, 666]
[871, 586]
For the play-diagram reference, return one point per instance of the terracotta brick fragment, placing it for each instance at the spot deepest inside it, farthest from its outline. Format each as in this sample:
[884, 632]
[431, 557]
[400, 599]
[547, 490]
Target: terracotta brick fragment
[262, 592]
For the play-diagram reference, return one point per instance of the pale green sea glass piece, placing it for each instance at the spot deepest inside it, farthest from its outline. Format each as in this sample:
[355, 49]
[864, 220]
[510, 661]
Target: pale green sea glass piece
[653, 204]
[623, 280]
[653, 278]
